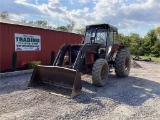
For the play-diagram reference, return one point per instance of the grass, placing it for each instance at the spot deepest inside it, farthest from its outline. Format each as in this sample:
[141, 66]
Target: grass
[154, 59]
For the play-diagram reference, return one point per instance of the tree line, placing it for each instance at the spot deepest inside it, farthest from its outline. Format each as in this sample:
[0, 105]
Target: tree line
[149, 45]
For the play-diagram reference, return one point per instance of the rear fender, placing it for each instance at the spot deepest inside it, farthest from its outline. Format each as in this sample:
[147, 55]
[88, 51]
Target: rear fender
[114, 48]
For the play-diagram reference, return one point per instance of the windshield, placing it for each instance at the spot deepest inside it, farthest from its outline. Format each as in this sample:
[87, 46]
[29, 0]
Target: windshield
[90, 33]
[92, 36]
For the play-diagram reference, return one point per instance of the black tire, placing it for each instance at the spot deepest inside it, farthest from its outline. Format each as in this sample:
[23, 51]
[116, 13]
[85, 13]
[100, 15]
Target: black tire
[122, 63]
[100, 72]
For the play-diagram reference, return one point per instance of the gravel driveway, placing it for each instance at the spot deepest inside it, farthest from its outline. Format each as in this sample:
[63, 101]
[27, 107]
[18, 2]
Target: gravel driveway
[135, 97]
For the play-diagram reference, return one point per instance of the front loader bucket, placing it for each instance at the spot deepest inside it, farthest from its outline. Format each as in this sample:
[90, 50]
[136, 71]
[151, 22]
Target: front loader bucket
[58, 76]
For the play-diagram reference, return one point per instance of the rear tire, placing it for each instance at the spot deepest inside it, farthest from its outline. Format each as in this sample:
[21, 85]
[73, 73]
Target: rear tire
[122, 63]
[100, 72]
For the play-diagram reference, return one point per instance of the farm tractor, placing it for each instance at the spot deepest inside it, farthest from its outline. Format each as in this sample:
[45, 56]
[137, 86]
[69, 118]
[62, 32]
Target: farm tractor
[96, 55]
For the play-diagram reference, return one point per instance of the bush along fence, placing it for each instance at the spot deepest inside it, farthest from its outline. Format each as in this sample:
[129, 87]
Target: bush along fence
[32, 64]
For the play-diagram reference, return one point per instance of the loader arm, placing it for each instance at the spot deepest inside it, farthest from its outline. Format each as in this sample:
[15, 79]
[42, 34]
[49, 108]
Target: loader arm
[92, 48]
[60, 56]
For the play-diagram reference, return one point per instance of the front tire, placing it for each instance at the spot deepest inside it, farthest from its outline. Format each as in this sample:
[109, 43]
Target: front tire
[122, 63]
[100, 72]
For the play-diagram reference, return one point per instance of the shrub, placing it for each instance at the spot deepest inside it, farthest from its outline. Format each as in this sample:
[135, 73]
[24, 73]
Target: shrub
[32, 64]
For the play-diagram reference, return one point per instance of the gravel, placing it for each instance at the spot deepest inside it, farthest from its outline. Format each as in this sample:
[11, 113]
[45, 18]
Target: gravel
[135, 97]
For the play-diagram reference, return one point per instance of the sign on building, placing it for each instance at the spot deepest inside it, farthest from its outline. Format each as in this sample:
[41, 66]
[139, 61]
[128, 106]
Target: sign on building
[27, 42]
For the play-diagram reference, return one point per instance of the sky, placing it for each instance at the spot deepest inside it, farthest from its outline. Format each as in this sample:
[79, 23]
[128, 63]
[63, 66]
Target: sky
[129, 16]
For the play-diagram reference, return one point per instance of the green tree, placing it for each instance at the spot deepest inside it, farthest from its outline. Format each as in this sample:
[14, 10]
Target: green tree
[157, 30]
[152, 36]
[122, 39]
[149, 42]
[155, 50]
[31, 22]
[70, 26]
[62, 28]
[42, 23]
[24, 21]
[80, 31]
[158, 33]
[146, 46]
[4, 15]
[136, 44]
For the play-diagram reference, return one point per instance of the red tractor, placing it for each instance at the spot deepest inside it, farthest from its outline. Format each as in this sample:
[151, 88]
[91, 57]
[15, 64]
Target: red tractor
[95, 56]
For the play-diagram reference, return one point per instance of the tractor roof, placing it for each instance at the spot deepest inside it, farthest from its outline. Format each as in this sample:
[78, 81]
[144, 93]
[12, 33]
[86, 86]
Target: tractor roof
[103, 25]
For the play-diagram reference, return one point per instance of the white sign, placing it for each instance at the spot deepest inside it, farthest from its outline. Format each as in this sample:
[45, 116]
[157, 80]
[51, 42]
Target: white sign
[26, 42]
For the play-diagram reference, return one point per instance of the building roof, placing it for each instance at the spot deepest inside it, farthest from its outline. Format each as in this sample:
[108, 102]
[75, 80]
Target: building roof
[19, 23]
[28, 25]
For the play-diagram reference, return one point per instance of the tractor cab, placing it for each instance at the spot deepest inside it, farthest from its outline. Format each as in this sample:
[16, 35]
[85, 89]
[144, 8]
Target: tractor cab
[104, 34]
